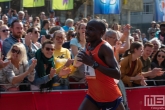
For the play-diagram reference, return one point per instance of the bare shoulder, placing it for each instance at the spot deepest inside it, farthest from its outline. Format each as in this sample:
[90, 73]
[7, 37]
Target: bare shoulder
[106, 48]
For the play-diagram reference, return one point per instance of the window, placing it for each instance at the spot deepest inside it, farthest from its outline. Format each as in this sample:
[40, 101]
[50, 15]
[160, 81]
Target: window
[135, 13]
[147, 8]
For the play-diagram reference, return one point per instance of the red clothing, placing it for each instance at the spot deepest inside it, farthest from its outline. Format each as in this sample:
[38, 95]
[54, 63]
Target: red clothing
[101, 88]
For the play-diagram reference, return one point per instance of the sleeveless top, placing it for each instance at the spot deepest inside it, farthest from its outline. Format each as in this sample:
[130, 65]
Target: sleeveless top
[101, 87]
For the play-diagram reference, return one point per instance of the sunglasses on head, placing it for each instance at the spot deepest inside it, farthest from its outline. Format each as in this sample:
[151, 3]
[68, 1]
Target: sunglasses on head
[48, 49]
[36, 32]
[15, 51]
[161, 56]
[5, 30]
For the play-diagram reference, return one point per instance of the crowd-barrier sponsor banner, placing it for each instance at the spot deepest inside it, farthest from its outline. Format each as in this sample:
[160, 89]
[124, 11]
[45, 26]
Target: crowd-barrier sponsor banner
[148, 98]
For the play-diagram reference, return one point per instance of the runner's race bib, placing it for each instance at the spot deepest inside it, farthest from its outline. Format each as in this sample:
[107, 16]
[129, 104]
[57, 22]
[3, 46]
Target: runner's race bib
[89, 71]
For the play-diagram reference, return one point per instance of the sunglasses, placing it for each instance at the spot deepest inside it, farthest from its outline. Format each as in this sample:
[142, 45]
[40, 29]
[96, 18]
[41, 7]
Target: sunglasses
[48, 49]
[161, 56]
[5, 30]
[15, 51]
[36, 32]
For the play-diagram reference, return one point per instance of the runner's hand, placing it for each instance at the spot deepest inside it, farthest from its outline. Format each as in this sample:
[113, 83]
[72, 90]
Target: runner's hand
[84, 58]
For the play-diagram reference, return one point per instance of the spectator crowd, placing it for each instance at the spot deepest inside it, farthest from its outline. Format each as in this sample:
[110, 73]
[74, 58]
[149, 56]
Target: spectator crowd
[38, 53]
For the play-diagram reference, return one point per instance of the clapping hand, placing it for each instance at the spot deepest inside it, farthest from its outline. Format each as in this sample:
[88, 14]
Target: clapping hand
[3, 64]
[157, 72]
[28, 41]
[64, 71]
[32, 66]
[69, 62]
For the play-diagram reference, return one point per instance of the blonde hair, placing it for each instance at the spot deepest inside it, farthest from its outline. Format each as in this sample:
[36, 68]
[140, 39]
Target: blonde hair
[3, 26]
[1, 21]
[23, 54]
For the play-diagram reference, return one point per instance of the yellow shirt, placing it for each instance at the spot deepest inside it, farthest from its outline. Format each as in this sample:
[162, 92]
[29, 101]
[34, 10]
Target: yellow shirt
[60, 58]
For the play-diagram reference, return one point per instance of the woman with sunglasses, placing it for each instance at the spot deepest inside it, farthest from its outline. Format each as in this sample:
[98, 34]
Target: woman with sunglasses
[36, 22]
[159, 62]
[4, 33]
[31, 41]
[45, 75]
[18, 68]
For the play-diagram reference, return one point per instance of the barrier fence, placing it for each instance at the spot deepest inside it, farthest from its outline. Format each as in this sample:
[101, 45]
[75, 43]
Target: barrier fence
[139, 98]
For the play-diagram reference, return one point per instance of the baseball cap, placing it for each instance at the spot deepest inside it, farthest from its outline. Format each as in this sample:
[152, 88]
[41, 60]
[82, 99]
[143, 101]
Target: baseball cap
[51, 11]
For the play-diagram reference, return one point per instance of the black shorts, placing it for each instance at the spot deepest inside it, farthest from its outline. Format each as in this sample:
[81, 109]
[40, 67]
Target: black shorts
[106, 105]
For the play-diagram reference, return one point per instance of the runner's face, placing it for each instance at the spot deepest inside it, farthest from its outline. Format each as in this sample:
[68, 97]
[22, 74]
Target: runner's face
[92, 32]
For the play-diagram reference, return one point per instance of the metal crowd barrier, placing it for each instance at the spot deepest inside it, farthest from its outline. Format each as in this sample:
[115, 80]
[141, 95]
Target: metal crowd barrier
[154, 81]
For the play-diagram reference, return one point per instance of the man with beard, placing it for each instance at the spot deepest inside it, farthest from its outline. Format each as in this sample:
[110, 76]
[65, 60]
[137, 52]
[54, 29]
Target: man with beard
[16, 36]
[103, 92]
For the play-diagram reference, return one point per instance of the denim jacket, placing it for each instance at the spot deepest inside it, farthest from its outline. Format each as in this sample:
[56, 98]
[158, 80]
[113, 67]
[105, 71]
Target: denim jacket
[8, 43]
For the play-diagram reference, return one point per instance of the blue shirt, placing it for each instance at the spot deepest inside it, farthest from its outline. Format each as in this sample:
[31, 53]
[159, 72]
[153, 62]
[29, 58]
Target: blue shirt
[75, 42]
[8, 43]
[66, 28]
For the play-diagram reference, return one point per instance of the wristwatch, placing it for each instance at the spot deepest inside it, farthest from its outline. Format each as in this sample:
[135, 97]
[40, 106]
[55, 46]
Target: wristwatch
[95, 65]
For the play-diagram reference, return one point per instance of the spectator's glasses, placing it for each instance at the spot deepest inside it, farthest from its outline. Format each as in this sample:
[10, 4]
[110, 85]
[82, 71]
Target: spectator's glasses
[48, 49]
[36, 32]
[58, 38]
[15, 51]
[37, 20]
[161, 56]
[5, 30]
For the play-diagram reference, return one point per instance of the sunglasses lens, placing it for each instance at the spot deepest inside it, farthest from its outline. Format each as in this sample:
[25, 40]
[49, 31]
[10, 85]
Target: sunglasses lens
[5, 30]
[37, 32]
[48, 49]
[15, 51]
